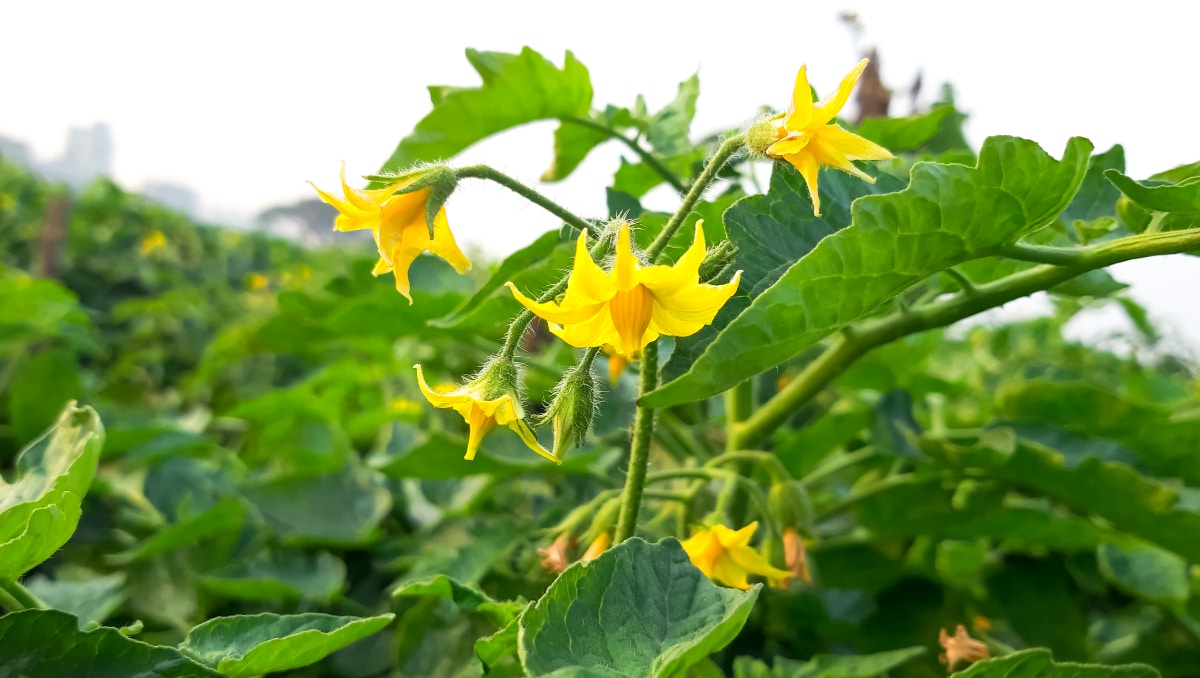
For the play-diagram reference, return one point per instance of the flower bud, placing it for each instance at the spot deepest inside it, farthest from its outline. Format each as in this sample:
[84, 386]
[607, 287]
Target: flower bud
[761, 135]
[718, 259]
[599, 545]
[789, 502]
[572, 409]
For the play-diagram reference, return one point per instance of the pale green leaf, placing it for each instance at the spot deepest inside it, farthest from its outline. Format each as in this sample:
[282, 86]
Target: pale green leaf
[1037, 663]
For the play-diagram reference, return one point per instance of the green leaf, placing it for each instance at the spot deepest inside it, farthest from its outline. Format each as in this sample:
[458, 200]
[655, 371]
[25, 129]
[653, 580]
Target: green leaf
[668, 130]
[1181, 197]
[298, 508]
[1037, 663]
[42, 385]
[91, 597]
[639, 610]
[1097, 196]
[1145, 570]
[572, 143]
[224, 517]
[947, 215]
[250, 645]
[516, 89]
[40, 509]
[827, 665]
[49, 643]
[466, 596]
[279, 575]
[492, 649]
[1164, 442]
[1131, 502]
[907, 134]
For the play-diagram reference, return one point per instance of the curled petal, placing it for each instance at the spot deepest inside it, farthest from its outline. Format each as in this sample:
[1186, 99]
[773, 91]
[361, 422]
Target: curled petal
[788, 145]
[807, 166]
[444, 246]
[827, 109]
[854, 146]
[569, 311]
[527, 436]
[437, 398]
[587, 282]
[670, 279]
[626, 266]
[594, 330]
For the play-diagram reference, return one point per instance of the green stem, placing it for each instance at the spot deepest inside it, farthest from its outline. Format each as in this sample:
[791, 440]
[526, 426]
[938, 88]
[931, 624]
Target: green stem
[769, 461]
[867, 492]
[485, 172]
[639, 452]
[841, 463]
[516, 328]
[647, 157]
[964, 283]
[869, 334]
[16, 597]
[739, 404]
[726, 151]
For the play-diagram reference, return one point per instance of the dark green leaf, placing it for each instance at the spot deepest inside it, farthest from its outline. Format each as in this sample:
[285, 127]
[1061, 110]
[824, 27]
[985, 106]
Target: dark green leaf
[279, 575]
[1097, 197]
[668, 131]
[224, 517]
[572, 143]
[516, 89]
[465, 596]
[947, 215]
[250, 645]
[639, 611]
[1145, 570]
[49, 643]
[907, 134]
[298, 509]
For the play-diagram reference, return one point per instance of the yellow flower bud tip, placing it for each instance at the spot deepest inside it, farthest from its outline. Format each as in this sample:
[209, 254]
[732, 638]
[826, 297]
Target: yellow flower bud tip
[484, 402]
[400, 224]
[554, 557]
[725, 555]
[632, 304]
[616, 363]
[152, 242]
[599, 545]
[810, 139]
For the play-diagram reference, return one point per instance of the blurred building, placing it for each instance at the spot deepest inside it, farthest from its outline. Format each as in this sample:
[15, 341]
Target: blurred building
[15, 151]
[308, 222]
[88, 155]
[176, 196]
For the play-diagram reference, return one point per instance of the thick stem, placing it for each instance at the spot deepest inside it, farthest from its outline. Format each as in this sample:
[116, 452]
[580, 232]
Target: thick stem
[647, 157]
[694, 194]
[485, 172]
[739, 404]
[868, 334]
[16, 597]
[639, 452]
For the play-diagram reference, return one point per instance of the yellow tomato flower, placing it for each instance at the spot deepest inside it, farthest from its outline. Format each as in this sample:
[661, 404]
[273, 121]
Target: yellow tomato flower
[482, 411]
[257, 281]
[725, 555]
[616, 363]
[398, 222]
[808, 137]
[632, 305]
[154, 241]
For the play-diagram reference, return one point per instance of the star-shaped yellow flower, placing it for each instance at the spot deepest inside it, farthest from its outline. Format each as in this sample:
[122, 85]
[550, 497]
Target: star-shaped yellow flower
[398, 223]
[482, 411]
[808, 137]
[725, 555]
[632, 305]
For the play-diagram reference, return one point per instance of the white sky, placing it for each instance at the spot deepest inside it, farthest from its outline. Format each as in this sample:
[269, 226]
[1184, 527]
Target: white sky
[243, 101]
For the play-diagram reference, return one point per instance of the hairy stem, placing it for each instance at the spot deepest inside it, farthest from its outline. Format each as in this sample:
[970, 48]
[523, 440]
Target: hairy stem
[647, 157]
[485, 172]
[726, 151]
[639, 452]
[874, 332]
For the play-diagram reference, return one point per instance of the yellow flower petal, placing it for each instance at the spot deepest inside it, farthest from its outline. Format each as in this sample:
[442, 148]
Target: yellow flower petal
[669, 279]
[625, 267]
[587, 282]
[854, 146]
[827, 110]
[807, 166]
[801, 110]
[444, 246]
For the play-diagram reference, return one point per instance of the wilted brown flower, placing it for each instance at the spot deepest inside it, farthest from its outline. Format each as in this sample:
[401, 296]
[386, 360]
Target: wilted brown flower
[794, 557]
[554, 557]
[960, 647]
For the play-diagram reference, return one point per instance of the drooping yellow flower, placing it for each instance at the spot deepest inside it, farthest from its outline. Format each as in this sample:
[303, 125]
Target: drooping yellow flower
[632, 305]
[398, 223]
[599, 545]
[808, 137]
[616, 363]
[483, 411]
[725, 555]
